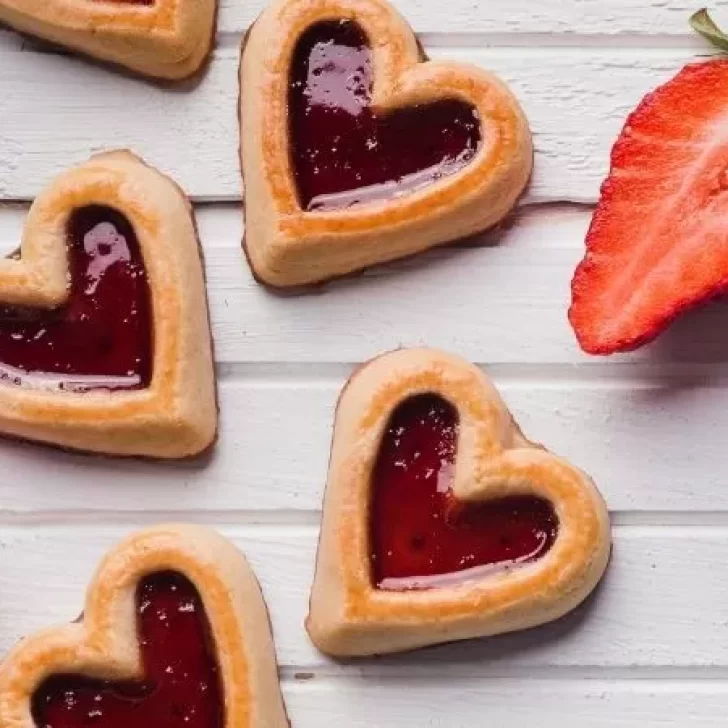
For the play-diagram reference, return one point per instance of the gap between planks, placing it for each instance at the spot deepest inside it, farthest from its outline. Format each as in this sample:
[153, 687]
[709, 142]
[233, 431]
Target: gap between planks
[596, 374]
[292, 522]
[651, 678]
[220, 224]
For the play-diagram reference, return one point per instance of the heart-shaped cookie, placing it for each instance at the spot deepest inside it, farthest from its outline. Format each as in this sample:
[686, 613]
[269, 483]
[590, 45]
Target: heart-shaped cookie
[441, 521]
[162, 38]
[356, 152]
[104, 332]
[174, 632]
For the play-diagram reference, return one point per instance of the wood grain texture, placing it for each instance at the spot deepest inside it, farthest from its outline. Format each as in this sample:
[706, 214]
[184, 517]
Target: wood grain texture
[260, 476]
[555, 19]
[362, 702]
[642, 23]
[501, 302]
[637, 618]
[576, 100]
[283, 360]
[491, 304]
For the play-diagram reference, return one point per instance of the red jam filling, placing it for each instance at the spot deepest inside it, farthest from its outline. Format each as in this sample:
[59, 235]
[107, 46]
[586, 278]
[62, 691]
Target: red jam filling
[421, 536]
[181, 686]
[343, 152]
[101, 338]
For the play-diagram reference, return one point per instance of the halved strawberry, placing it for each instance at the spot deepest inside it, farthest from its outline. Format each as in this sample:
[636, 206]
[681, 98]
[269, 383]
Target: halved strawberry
[658, 241]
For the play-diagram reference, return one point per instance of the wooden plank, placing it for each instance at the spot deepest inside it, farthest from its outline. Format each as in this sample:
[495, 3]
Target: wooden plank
[392, 702]
[638, 23]
[494, 305]
[576, 99]
[503, 302]
[650, 446]
[221, 225]
[509, 17]
[466, 300]
[661, 604]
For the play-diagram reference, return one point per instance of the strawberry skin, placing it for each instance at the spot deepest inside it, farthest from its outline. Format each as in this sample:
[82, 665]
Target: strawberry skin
[658, 241]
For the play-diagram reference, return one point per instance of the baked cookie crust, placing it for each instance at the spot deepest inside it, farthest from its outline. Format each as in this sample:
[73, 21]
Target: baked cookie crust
[348, 615]
[104, 644]
[176, 415]
[166, 39]
[287, 246]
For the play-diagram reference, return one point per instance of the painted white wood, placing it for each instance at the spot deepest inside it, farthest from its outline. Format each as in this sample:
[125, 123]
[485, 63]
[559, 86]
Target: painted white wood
[220, 225]
[662, 603]
[576, 100]
[641, 23]
[358, 702]
[555, 21]
[271, 458]
[504, 302]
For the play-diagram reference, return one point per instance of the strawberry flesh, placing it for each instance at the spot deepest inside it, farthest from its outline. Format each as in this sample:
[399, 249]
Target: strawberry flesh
[658, 241]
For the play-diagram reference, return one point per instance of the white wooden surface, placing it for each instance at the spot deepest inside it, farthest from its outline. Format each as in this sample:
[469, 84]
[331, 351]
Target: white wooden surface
[651, 648]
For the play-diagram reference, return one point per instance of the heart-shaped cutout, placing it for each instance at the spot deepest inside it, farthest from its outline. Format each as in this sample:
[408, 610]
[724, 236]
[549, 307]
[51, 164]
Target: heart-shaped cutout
[175, 632]
[167, 39]
[356, 152]
[101, 337]
[181, 675]
[441, 521]
[442, 541]
[104, 334]
[344, 153]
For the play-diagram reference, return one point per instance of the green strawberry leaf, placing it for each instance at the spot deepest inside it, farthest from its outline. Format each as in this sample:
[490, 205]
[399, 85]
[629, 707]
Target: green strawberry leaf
[702, 23]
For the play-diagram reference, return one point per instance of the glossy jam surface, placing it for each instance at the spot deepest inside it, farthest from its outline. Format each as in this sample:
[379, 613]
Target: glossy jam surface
[101, 338]
[421, 536]
[181, 686]
[343, 153]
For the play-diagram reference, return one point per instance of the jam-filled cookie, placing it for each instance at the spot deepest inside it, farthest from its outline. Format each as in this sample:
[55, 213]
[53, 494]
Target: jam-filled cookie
[167, 39]
[174, 632]
[355, 151]
[441, 521]
[104, 334]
